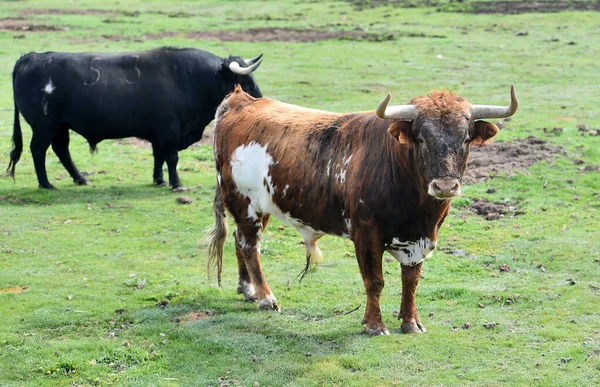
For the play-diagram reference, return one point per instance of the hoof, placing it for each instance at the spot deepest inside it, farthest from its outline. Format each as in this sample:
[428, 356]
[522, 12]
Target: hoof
[47, 186]
[81, 181]
[412, 328]
[269, 303]
[160, 183]
[178, 188]
[376, 329]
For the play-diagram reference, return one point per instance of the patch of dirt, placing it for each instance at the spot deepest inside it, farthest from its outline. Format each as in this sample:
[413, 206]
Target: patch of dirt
[518, 7]
[493, 211]
[501, 157]
[13, 290]
[194, 316]
[269, 34]
[54, 11]
[266, 35]
[21, 25]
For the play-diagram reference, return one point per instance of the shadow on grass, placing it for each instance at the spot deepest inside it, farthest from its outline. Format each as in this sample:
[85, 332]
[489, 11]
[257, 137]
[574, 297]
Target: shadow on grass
[78, 195]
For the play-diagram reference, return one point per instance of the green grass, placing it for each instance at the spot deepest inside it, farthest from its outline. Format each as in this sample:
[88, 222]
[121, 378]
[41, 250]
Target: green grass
[83, 270]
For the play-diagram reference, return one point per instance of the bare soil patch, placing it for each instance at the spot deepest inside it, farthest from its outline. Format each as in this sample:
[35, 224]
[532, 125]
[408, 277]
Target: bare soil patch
[268, 34]
[13, 290]
[54, 11]
[21, 25]
[194, 316]
[503, 157]
[518, 7]
[493, 211]
[295, 35]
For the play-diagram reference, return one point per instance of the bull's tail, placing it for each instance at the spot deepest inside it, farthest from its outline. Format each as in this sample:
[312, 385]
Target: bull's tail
[17, 139]
[217, 234]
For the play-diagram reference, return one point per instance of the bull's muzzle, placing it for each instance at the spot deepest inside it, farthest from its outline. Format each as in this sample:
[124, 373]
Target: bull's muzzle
[444, 189]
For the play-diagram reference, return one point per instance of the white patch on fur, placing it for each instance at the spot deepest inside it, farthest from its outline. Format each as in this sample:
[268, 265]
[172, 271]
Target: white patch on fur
[348, 224]
[411, 253]
[285, 190]
[243, 244]
[328, 167]
[219, 179]
[250, 170]
[347, 161]
[49, 88]
[246, 289]
[341, 177]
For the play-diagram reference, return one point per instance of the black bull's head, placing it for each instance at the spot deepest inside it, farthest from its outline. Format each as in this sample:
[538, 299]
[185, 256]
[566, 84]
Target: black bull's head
[441, 127]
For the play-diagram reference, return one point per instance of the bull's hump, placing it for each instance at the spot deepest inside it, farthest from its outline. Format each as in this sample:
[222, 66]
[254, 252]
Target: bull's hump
[301, 109]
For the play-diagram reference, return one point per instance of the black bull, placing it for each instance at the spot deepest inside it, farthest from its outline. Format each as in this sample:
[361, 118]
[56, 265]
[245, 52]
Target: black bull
[166, 96]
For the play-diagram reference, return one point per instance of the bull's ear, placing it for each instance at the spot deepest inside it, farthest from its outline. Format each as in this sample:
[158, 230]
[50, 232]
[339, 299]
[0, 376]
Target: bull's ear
[400, 130]
[483, 132]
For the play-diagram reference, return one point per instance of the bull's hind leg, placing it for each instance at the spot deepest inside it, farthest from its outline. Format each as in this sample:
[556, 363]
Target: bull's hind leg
[60, 145]
[245, 285]
[40, 141]
[408, 307]
[248, 236]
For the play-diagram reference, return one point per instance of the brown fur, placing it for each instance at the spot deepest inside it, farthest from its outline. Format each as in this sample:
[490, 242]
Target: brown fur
[441, 103]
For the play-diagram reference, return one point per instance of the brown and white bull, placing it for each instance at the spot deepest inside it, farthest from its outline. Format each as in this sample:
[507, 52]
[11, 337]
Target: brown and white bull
[383, 179]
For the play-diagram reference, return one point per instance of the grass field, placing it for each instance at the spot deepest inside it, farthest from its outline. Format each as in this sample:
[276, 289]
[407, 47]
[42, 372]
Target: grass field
[107, 284]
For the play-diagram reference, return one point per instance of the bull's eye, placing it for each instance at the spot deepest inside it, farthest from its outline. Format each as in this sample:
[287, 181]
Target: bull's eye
[420, 140]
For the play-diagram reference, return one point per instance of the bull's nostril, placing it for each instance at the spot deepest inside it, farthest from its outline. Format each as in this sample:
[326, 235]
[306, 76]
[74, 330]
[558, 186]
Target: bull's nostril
[444, 187]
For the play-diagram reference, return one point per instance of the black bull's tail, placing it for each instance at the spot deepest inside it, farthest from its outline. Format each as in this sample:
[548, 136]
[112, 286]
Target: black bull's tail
[17, 139]
[217, 235]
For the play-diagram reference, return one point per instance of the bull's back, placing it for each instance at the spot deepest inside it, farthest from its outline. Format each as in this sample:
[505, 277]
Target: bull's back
[103, 95]
[242, 119]
[284, 159]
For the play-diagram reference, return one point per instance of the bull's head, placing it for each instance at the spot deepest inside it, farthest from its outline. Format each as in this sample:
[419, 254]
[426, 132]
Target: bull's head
[442, 126]
[241, 71]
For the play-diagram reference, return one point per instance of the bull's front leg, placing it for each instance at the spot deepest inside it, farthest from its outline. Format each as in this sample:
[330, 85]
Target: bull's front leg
[408, 306]
[159, 160]
[370, 262]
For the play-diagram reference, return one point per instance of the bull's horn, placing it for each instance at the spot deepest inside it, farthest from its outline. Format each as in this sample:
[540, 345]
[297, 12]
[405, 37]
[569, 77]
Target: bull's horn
[237, 69]
[491, 111]
[253, 60]
[398, 112]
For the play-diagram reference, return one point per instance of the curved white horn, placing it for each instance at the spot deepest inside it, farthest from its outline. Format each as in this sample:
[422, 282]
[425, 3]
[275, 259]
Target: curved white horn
[253, 60]
[398, 112]
[492, 111]
[237, 69]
